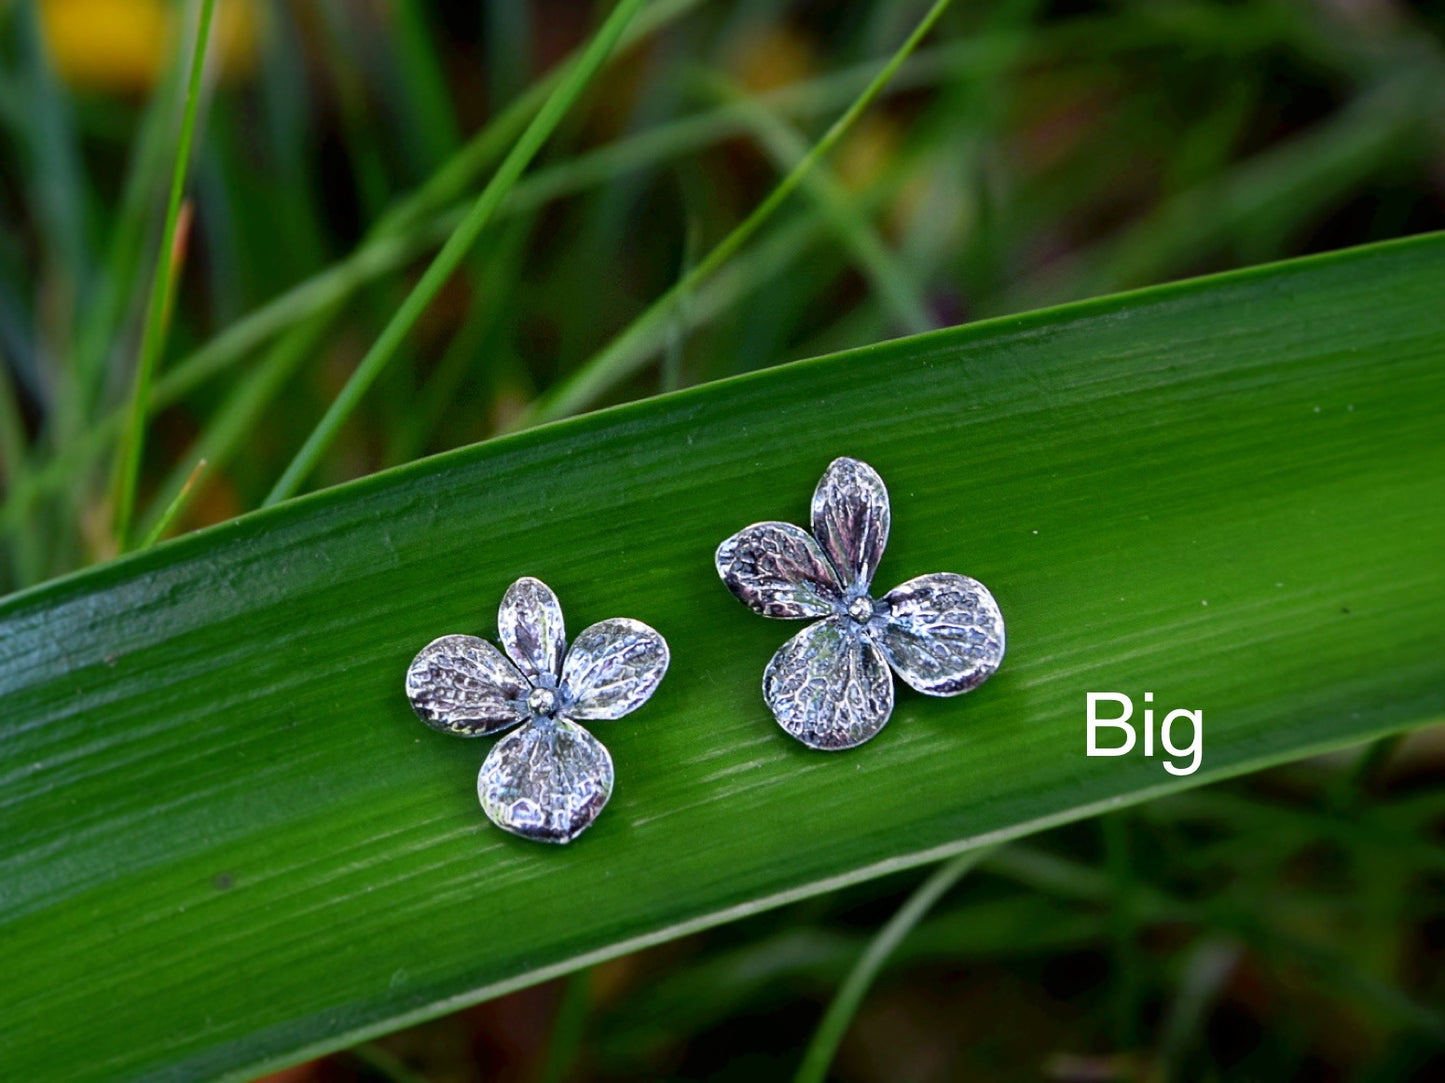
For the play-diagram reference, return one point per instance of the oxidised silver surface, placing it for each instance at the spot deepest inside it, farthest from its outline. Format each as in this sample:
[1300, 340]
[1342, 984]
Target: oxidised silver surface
[463, 685]
[612, 669]
[549, 779]
[851, 519]
[829, 685]
[778, 570]
[531, 628]
[944, 634]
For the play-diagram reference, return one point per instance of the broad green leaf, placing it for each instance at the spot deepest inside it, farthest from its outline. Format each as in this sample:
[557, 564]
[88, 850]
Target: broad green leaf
[226, 842]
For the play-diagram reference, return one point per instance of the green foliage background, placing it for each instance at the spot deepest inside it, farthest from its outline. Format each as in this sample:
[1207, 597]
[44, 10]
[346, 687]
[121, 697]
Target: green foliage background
[181, 839]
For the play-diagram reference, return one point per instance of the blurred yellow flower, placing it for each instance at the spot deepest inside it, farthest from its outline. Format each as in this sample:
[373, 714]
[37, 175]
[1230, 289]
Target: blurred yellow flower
[124, 45]
[776, 56]
[867, 150]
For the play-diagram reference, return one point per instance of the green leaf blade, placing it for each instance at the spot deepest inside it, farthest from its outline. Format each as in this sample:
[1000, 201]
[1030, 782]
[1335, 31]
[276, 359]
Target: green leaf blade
[223, 823]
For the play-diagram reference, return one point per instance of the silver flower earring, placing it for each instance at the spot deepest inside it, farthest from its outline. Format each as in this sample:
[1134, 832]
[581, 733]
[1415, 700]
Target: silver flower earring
[549, 779]
[829, 685]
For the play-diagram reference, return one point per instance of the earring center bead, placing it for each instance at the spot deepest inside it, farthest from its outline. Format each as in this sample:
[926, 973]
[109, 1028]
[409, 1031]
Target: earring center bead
[861, 610]
[542, 701]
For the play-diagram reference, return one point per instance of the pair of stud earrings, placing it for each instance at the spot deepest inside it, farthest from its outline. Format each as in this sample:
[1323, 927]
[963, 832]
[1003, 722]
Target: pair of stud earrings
[829, 686]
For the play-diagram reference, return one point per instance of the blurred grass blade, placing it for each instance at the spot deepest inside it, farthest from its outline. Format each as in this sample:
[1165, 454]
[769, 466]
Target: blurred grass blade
[1275, 936]
[387, 250]
[750, 977]
[509, 38]
[421, 70]
[568, 1027]
[1207, 968]
[844, 1006]
[206, 743]
[453, 179]
[14, 474]
[476, 348]
[891, 280]
[163, 286]
[609, 366]
[416, 222]
[450, 257]
[57, 179]
[342, 51]
[1253, 206]
[386, 1064]
[1126, 957]
[120, 285]
[234, 422]
[167, 517]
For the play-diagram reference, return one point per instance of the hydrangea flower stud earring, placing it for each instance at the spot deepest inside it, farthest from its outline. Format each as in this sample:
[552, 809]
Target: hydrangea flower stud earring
[829, 685]
[549, 779]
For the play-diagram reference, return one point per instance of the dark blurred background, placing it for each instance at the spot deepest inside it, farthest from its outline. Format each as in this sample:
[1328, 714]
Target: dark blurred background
[1284, 927]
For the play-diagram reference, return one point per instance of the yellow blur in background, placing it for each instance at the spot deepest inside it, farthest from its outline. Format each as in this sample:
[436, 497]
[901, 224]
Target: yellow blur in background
[122, 46]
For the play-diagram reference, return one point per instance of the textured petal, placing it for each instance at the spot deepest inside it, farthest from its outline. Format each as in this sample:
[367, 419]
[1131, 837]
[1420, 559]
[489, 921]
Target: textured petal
[778, 570]
[529, 624]
[547, 781]
[943, 633]
[612, 669]
[829, 686]
[463, 685]
[851, 519]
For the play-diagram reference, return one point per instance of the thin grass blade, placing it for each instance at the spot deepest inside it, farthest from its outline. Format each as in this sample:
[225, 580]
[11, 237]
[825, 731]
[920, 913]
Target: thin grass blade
[163, 287]
[606, 368]
[825, 1040]
[450, 257]
[176, 506]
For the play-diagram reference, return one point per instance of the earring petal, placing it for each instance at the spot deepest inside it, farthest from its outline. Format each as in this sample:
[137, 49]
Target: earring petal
[463, 685]
[547, 781]
[779, 570]
[612, 669]
[829, 686]
[943, 633]
[851, 519]
[531, 628]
